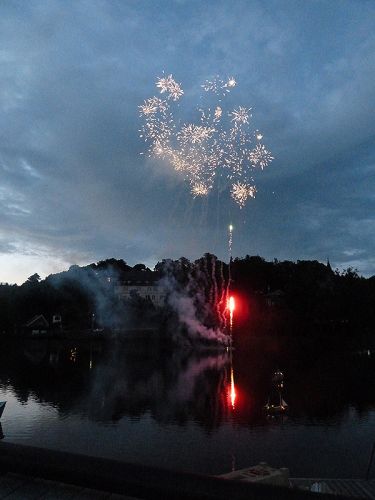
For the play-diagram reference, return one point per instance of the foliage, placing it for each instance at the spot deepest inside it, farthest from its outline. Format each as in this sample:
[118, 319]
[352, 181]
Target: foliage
[302, 297]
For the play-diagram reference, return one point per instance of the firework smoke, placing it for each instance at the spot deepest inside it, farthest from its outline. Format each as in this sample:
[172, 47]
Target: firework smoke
[197, 293]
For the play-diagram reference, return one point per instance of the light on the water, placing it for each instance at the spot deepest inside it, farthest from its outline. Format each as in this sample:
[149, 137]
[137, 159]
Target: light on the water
[232, 389]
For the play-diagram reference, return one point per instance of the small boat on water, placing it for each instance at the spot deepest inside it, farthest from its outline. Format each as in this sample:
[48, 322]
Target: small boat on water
[2, 406]
[274, 408]
[276, 405]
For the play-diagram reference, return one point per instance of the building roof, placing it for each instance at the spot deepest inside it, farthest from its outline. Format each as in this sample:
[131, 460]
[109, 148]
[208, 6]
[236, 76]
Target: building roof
[38, 320]
[143, 277]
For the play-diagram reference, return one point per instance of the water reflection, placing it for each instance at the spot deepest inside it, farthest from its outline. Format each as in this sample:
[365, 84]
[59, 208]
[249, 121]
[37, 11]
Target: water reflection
[108, 382]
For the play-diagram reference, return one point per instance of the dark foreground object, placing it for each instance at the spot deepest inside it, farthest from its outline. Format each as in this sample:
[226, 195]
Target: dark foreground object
[134, 480]
[2, 406]
[20, 487]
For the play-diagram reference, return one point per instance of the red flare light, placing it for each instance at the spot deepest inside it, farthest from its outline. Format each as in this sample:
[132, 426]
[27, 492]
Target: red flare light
[231, 304]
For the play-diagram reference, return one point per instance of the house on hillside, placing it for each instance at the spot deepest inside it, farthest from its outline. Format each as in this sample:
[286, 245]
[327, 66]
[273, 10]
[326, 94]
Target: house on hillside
[38, 325]
[144, 283]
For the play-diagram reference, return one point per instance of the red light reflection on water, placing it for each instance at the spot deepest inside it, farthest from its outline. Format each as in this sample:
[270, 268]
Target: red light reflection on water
[232, 390]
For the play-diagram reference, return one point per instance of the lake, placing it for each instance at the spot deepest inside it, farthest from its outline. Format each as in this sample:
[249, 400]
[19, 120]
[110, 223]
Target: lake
[192, 411]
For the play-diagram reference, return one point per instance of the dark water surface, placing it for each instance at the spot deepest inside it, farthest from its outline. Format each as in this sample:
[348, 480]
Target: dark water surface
[143, 403]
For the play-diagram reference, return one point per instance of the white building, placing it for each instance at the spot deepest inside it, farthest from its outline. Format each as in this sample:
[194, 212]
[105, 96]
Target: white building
[144, 283]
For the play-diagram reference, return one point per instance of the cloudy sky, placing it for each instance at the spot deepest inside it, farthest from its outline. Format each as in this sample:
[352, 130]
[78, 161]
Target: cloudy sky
[74, 187]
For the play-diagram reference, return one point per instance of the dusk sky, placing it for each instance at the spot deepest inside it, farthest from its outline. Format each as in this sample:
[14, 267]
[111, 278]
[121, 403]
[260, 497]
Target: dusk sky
[74, 187]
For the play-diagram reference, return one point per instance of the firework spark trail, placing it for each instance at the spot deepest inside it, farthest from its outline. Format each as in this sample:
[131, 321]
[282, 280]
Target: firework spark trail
[222, 143]
[221, 310]
[227, 290]
[230, 241]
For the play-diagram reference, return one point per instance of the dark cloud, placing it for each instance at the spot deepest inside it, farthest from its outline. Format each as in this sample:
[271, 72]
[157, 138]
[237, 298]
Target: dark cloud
[73, 185]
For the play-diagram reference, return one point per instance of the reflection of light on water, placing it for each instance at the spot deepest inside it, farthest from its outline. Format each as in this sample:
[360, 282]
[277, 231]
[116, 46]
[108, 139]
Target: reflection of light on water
[232, 389]
[73, 355]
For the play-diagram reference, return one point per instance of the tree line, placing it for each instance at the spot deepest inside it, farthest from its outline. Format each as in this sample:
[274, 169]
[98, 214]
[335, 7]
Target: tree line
[295, 298]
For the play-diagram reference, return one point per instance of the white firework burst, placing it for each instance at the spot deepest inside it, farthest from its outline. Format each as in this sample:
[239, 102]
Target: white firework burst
[218, 113]
[241, 191]
[195, 134]
[240, 116]
[152, 106]
[260, 156]
[219, 143]
[199, 189]
[170, 86]
[158, 149]
[231, 82]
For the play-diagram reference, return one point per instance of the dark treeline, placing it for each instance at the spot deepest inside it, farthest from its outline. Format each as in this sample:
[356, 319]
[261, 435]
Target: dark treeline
[294, 298]
[84, 297]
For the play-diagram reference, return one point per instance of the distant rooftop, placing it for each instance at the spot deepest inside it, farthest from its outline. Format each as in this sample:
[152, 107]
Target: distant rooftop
[140, 277]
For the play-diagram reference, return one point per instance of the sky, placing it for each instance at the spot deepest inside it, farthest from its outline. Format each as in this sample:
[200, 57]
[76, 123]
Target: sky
[74, 186]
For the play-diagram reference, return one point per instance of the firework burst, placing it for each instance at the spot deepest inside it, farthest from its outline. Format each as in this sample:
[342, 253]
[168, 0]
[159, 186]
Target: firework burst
[240, 192]
[219, 144]
[199, 189]
[195, 134]
[152, 106]
[260, 156]
[169, 86]
[219, 86]
[240, 116]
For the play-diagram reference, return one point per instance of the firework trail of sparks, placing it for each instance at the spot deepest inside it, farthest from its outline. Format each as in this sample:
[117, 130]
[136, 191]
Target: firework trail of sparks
[230, 241]
[222, 143]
